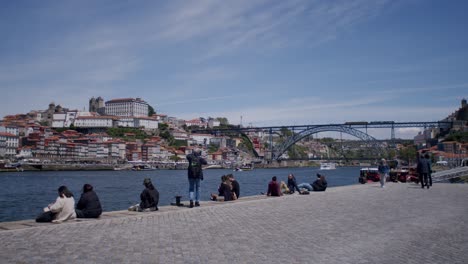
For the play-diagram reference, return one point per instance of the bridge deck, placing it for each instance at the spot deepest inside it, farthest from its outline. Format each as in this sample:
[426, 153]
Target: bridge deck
[449, 174]
[354, 224]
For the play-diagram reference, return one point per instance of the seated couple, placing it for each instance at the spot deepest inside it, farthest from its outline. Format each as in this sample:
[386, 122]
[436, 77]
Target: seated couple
[63, 209]
[319, 185]
[149, 198]
[228, 188]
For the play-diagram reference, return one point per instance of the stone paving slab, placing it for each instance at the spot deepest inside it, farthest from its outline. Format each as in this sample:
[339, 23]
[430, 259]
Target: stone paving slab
[354, 224]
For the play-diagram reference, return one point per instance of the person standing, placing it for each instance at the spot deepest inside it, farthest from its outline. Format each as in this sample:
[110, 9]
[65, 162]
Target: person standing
[195, 175]
[383, 171]
[429, 175]
[424, 169]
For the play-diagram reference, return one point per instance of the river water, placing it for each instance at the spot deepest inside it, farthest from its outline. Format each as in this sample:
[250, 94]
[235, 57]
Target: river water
[24, 194]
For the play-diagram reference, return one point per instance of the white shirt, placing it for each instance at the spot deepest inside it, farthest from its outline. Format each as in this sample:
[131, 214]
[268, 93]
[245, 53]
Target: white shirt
[65, 209]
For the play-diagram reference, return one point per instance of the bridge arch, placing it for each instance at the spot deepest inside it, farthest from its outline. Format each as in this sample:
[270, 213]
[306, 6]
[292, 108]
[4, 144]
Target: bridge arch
[323, 128]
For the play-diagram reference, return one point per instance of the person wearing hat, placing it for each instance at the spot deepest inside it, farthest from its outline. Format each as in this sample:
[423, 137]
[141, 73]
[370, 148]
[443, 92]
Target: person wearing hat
[195, 175]
[149, 198]
[383, 171]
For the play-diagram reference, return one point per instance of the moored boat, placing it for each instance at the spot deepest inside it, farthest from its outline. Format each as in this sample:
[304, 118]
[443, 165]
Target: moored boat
[143, 167]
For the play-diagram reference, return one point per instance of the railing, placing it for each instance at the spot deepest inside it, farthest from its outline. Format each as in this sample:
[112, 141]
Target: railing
[449, 174]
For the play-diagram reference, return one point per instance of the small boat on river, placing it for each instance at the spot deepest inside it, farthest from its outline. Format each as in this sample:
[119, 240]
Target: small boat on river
[327, 166]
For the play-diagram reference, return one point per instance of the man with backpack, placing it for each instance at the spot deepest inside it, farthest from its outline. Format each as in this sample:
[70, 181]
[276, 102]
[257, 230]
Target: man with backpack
[195, 175]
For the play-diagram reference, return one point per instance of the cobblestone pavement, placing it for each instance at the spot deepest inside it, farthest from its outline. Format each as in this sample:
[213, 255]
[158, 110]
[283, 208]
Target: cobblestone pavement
[355, 224]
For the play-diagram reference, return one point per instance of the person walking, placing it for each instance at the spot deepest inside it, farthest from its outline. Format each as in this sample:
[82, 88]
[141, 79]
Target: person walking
[424, 170]
[383, 171]
[195, 175]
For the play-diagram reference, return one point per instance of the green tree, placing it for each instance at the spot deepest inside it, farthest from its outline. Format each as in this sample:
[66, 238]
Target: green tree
[457, 136]
[223, 121]
[151, 110]
[175, 158]
[212, 148]
[409, 153]
[297, 152]
[165, 133]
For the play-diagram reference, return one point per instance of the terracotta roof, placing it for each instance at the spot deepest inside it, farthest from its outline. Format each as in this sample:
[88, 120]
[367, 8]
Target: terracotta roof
[124, 100]
[6, 134]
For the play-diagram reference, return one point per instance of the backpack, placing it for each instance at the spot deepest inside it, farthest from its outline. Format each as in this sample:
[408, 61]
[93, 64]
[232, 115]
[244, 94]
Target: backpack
[196, 166]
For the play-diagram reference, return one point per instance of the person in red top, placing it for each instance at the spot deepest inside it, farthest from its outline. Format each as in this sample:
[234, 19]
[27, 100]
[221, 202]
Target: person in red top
[274, 188]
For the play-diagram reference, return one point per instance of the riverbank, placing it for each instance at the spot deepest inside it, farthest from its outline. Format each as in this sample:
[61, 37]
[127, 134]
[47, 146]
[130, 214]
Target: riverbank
[158, 166]
[341, 225]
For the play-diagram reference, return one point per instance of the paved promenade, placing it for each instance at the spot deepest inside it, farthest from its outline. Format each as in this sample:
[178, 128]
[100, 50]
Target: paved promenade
[354, 224]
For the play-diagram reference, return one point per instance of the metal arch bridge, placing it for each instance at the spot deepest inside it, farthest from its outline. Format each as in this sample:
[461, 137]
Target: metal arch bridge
[322, 128]
[301, 131]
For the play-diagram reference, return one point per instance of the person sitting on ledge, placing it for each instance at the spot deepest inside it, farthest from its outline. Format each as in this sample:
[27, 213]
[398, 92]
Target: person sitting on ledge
[284, 188]
[89, 205]
[292, 184]
[235, 185]
[225, 189]
[320, 185]
[274, 188]
[149, 198]
[61, 210]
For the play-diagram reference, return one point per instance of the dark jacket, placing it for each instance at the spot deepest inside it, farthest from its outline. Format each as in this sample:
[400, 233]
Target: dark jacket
[90, 205]
[292, 184]
[319, 185]
[236, 188]
[195, 166]
[227, 191]
[424, 166]
[149, 198]
[273, 189]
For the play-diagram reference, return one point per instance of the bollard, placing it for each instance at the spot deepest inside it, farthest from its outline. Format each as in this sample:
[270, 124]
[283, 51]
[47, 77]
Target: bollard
[178, 203]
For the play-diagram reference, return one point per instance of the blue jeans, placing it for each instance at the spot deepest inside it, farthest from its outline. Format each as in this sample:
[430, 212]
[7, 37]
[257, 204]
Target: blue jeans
[194, 186]
[305, 186]
[383, 177]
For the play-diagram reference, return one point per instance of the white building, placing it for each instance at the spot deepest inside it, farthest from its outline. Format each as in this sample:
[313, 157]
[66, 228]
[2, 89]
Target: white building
[127, 107]
[64, 119]
[94, 121]
[202, 139]
[213, 123]
[9, 129]
[9, 143]
[196, 122]
[144, 122]
[147, 123]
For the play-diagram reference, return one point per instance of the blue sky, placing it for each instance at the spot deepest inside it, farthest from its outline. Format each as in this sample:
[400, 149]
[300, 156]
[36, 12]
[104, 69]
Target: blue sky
[271, 62]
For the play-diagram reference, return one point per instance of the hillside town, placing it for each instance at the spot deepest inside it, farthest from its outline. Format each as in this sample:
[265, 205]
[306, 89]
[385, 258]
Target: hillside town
[128, 130]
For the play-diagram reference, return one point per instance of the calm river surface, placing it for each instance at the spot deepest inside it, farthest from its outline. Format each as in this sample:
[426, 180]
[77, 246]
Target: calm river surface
[24, 194]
